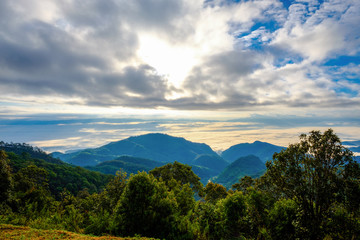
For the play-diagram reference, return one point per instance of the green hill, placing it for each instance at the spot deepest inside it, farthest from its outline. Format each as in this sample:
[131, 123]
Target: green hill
[26, 149]
[133, 165]
[244, 166]
[126, 163]
[60, 174]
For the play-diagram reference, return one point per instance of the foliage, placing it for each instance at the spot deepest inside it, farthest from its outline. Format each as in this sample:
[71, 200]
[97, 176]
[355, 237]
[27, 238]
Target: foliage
[180, 172]
[244, 183]
[63, 175]
[282, 219]
[127, 164]
[28, 151]
[145, 208]
[312, 172]
[234, 211]
[214, 192]
[5, 177]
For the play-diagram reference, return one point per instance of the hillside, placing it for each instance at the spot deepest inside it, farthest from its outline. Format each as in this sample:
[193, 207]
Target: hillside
[25, 149]
[134, 165]
[262, 150]
[11, 232]
[127, 164]
[213, 162]
[62, 175]
[244, 166]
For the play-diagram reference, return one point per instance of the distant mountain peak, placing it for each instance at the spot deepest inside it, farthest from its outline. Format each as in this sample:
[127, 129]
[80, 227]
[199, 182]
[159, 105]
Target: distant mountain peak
[262, 150]
[244, 166]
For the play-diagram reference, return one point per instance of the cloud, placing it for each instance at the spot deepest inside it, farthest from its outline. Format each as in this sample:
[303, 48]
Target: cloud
[317, 31]
[61, 132]
[240, 55]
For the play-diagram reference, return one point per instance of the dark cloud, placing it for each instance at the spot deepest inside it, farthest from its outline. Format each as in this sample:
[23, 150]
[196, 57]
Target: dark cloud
[87, 54]
[113, 20]
[224, 76]
[75, 57]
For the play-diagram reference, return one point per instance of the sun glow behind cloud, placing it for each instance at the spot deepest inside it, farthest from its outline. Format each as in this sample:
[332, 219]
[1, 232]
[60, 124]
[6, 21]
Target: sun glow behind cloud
[172, 61]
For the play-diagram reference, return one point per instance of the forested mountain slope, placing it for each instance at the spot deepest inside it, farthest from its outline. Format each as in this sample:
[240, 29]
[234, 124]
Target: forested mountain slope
[262, 150]
[244, 166]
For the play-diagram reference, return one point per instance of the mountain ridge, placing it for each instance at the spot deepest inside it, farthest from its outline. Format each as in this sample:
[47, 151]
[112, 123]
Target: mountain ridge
[262, 150]
[244, 166]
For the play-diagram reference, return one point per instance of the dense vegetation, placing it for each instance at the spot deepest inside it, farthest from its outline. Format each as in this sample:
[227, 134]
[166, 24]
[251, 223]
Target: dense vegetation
[309, 191]
[59, 175]
[129, 164]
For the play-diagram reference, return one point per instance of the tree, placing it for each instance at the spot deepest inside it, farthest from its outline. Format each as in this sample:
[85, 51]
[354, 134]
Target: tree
[145, 208]
[235, 211]
[115, 188]
[5, 177]
[214, 192]
[179, 172]
[31, 186]
[311, 172]
[244, 183]
[281, 219]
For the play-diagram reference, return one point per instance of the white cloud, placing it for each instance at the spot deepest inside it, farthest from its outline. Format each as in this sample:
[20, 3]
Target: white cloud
[177, 54]
[319, 31]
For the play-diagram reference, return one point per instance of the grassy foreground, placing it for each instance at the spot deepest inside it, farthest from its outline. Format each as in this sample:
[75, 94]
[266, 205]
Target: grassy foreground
[12, 232]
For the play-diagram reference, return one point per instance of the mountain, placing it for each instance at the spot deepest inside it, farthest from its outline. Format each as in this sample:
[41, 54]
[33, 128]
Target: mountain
[213, 162]
[244, 166]
[127, 164]
[262, 150]
[60, 174]
[28, 151]
[154, 146]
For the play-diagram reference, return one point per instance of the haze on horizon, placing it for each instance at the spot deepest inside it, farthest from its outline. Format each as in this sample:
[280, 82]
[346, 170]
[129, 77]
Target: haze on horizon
[77, 74]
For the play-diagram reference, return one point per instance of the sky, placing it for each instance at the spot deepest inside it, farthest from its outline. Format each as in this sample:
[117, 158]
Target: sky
[81, 73]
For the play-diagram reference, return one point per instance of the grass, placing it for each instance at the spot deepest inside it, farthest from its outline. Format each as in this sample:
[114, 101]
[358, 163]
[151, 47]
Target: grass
[11, 232]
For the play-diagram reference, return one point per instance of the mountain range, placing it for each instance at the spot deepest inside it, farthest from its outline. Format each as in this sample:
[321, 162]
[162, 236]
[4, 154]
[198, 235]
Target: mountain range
[144, 152]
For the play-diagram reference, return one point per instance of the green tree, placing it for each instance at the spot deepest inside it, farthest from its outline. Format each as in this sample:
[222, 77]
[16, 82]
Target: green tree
[235, 211]
[184, 196]
[32, 188]
[214, 192]
[114, 189]
[244, 183]
[282, 219]
[312, 173]
[179, 172]
[208, 219]
[5, 177]
[258, 205]
[146, 208]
